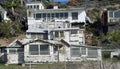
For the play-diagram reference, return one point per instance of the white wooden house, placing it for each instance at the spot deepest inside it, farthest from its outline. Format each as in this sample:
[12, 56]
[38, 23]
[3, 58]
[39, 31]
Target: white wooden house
[38, 51]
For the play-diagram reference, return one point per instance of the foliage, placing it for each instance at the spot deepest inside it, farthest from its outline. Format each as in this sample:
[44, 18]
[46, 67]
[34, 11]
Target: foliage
[94, 27]
[5, 29]
[9, 4]
[8, 29]
[106, 54]
[111, 37]
[95, 41]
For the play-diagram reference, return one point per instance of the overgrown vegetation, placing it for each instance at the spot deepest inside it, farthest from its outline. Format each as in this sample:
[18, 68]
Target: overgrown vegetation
[11, 3]
[9, 29]
[17, 23]
[111, 38]
[106, 55]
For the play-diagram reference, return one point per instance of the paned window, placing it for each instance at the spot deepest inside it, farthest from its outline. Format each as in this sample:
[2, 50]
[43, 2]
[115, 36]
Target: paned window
[33, 50]
[74, 15]
[75, 52]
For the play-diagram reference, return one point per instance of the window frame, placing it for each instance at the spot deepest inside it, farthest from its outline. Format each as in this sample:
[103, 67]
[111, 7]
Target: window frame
[39, 49]
[74, 15]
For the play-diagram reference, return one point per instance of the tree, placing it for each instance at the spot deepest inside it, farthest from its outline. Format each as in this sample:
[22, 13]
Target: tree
[11, 4]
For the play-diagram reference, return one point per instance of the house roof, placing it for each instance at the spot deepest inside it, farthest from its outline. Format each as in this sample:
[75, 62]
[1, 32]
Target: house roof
[87, 46]
[28, 41]
[58, 10]
[115, 47]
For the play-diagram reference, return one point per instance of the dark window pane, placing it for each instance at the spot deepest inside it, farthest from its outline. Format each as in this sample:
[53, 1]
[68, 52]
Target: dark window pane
[111, 14]
[45, 36]
[61, 15]
[33, 50]
[57, 15]
[83, 51]
[34, 6]
[117, 14]
[12, 51]
[92, 53]
[52, 15]
[48, 15]
[74, 15]
[44, 15]
[66, 15]
[61, 34]
[56, 34]
[73, 31]
[75, 52]
[33, 35]
[44, 50]
[38, 15]
[37, 6]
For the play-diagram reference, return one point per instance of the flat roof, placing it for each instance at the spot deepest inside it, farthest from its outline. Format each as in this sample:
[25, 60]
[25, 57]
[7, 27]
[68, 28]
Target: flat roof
[56, 10]
[55, 29]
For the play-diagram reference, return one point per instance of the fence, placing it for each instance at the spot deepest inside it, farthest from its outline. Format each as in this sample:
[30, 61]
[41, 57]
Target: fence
[85, 64]
[66, 65]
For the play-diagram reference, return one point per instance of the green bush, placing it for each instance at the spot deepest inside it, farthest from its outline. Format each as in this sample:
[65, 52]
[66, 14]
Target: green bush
[106, 54]
[9, 29]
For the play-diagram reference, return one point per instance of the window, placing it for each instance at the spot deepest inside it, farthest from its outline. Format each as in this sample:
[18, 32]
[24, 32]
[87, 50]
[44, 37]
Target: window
[117, 14]
[61, 15]
[34, 50]
[20, 50]
[74, 15]
[30, 6]
[38, 15]
[61, 34]
[39, 35]
[34, 6]
[37, 6]
[92, 53]
[33, 35]
[39, 50]
[66, 15]
[48, 15]
[44, 15]
[83, 51]
[75, 52]
[29, 13]
[44, 50]
[52, 15]
[45, 36]
[73, 31]
[110, 14]
[57, 15]
[12, 51]
[81, 40]
[56, 34]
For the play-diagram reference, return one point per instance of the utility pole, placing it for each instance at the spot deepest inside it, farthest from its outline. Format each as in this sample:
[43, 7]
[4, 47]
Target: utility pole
[58, 58]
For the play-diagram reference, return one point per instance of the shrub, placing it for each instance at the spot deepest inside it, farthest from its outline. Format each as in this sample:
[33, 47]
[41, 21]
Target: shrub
[106, 54]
